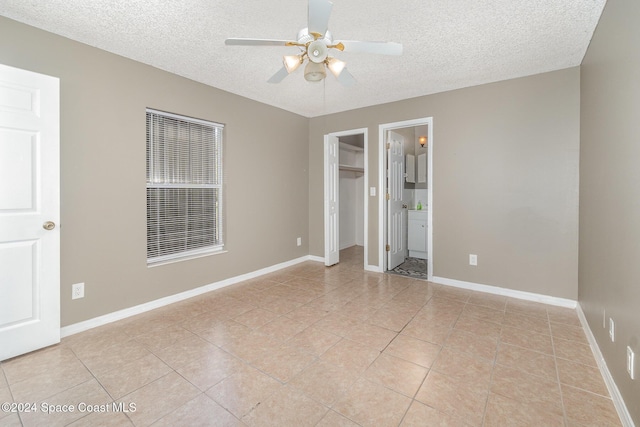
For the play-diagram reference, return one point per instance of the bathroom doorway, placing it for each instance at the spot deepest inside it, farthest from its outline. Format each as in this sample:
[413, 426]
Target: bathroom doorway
[406, 171]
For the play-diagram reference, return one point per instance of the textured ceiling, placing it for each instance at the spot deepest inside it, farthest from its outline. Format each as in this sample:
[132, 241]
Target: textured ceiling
[448, 44]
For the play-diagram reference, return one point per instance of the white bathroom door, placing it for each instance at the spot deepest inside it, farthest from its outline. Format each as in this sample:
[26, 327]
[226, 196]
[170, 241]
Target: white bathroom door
[29, 211]
[395, 215]
[331, 201]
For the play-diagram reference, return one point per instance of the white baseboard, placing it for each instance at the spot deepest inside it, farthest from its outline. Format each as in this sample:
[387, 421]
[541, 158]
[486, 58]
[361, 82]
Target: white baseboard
[529, 296]
[132, 311]
[344, 245]
[616, 397]
[315, 258]
[367, 267]
[374, 268]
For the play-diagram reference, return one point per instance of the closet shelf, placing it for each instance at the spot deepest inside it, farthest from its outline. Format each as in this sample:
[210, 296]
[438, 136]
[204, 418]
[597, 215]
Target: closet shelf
[351, 168]
[349, 147]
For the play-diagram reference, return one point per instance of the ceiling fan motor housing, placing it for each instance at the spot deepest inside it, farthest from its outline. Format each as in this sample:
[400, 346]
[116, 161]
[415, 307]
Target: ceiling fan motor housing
[305, 37]
[317, 49]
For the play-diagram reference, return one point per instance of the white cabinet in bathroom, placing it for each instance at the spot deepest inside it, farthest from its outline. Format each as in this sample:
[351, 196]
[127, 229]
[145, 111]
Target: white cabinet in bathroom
[417, 239]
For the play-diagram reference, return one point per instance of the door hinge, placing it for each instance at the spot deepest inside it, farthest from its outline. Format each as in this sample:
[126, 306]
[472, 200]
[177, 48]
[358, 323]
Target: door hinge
[388, 145]
[388, 196]
[388, 248]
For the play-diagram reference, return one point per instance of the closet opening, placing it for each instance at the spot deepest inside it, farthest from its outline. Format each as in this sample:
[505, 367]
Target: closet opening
[345, 202]
[352, 184]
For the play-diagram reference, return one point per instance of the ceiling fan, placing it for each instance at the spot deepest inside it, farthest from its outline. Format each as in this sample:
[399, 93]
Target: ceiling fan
[314, 43]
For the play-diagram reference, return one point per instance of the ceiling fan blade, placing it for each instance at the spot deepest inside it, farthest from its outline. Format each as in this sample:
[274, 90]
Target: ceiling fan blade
[319, 12]
[380, 48]
[346, 78]
[257, 42]
[279, 76]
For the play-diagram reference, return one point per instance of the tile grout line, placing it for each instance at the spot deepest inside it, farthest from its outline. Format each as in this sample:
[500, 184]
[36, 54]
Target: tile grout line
[413, 399]
[565, 418]
[10, 391]
[113, 400]
[360, 376]
[493, 368]
[202, 393]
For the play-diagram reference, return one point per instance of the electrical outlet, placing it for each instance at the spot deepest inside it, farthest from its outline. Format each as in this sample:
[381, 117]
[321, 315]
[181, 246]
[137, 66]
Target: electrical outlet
[612, 330]
[631, 362]
[77, 291]
[473, 259]
[299, 241]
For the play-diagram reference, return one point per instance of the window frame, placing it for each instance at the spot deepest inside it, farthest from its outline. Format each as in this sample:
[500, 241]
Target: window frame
[217, 187]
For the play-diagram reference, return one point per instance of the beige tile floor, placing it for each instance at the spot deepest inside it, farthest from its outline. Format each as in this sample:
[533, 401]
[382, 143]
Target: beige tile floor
[316, 346]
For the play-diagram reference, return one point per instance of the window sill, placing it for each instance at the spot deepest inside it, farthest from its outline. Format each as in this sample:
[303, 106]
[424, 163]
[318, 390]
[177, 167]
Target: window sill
[185, 258]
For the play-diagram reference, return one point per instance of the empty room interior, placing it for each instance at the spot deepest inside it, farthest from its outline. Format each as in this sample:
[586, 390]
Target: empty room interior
[445, 234]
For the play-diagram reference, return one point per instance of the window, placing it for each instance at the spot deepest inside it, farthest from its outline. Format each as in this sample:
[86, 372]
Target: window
[184, 187]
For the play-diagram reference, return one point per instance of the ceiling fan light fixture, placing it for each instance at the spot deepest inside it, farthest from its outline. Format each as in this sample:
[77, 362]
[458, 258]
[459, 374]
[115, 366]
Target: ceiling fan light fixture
[314, 72]
[292, 62]
[317, 51]
[335, 66]
[314, 43]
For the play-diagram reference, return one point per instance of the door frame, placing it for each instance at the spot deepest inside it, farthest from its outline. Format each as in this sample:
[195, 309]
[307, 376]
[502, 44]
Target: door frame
[365, 222]
[382, 185]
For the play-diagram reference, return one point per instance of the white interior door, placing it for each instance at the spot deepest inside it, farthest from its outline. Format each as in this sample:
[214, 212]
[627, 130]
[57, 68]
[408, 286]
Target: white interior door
[29, 211]
[331, 201]
[395, 214]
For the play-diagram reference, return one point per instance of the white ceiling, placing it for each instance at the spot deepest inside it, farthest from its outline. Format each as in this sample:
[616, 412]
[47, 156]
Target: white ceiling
[448, 44]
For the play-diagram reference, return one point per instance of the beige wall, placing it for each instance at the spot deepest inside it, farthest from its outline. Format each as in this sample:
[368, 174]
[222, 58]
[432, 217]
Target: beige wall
[610, 190]
[103, 216]
[505, 180]
[505, 176]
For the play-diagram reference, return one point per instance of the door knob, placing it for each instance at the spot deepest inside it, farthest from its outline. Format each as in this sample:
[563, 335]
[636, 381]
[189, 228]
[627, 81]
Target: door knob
[404, 206]
[49, 225]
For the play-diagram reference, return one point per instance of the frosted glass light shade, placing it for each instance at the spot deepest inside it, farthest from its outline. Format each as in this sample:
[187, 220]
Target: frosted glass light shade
[314, 72]
[336, 66]
[317, 51]
[291, 62]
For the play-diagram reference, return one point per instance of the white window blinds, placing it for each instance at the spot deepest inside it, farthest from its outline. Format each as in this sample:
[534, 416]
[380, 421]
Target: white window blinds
[184, 186]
